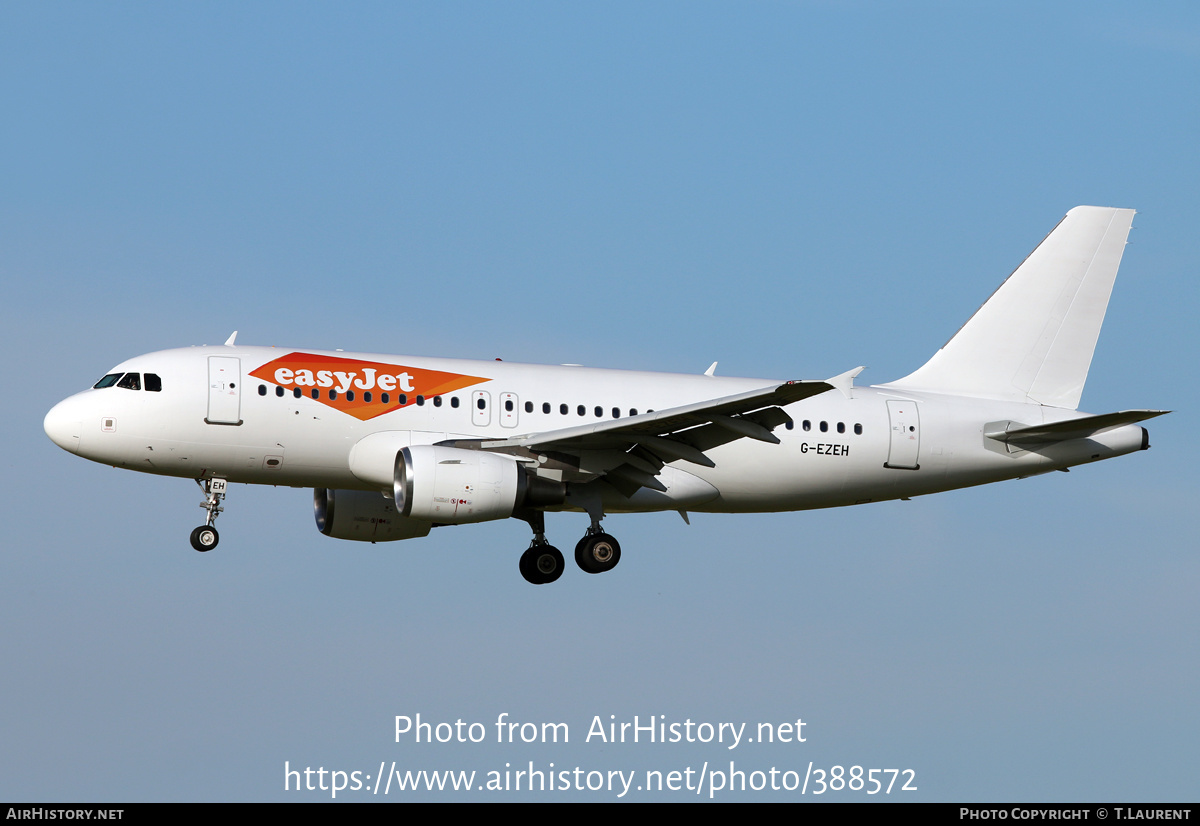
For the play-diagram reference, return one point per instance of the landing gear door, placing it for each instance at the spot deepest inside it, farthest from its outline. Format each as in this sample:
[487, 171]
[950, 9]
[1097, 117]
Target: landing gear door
[224, 390]
[905, 426]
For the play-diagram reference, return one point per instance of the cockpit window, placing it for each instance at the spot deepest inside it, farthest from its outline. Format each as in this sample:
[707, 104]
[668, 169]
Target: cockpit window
[130, 381]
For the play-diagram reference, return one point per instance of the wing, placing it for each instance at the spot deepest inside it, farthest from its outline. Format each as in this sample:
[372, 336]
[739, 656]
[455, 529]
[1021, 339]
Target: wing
[630, 452]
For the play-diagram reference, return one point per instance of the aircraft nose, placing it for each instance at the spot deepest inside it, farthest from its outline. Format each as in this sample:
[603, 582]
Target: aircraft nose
[63, 425]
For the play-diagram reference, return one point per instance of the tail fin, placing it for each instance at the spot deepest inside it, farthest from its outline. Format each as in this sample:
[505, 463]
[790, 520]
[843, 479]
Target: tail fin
[1033, 340]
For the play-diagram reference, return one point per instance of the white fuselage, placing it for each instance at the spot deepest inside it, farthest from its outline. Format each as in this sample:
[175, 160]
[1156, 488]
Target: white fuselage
[451, 441]
[842, 448]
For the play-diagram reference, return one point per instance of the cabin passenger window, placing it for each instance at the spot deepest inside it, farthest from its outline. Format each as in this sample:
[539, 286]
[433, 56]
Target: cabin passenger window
[481, 403]
[349, 395]
[367, 397]
[528, 407]
[316, 394]
[545, 407]
[841, 427]
[454, 401]
[508, 405]
[616, 412]
[562, 409]
[107, 381]
[385, 398]
[858, 430]
[420, 401]
[824, 427]
[599, 411]
[437, 401]
[297, 392]
[278, 391]
[153, 383]
[131, 381]
[581, 410]
[807, 425]
[262, 390]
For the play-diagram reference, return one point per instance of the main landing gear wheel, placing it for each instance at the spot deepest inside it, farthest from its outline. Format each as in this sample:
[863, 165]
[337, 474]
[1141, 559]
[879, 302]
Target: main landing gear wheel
[205, 538]
[542, 564]
[597, 553]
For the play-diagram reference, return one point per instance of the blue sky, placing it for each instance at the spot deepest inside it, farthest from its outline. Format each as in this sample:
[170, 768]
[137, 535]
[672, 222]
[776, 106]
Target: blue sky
[792, 189]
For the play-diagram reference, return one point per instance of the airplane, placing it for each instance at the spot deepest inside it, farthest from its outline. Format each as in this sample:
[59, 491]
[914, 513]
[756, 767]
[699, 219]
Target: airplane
[395, 446]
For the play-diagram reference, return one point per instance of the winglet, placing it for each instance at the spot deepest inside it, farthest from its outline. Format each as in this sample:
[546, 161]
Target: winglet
[845, 382]
[229, 341]
[712, 369]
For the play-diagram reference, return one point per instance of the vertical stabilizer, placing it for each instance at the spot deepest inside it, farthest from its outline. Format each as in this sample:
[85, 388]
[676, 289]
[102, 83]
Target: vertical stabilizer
[1033, 340]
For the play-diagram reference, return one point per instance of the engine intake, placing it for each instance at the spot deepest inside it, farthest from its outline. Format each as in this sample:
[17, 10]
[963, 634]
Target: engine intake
[449, 485]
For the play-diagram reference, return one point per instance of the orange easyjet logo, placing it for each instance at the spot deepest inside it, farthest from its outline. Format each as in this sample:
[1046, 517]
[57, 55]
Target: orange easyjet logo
[364, 389]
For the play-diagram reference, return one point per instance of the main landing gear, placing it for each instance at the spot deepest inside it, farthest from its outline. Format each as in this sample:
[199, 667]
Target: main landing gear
[597, 552]
[205, 537]
[543, 563]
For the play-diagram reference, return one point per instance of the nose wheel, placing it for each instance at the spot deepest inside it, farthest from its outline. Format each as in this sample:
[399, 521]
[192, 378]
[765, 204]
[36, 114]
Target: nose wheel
[205, 537]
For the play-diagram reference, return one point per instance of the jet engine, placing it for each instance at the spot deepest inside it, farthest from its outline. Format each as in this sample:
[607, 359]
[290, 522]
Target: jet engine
[363, 515]
[450, 485]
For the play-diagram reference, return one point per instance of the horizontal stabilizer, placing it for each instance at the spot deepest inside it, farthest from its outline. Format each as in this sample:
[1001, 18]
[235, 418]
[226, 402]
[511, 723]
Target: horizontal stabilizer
[1040, 434]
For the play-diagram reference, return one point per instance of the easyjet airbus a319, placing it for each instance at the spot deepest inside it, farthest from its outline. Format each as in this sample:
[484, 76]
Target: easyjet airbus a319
[397, 445]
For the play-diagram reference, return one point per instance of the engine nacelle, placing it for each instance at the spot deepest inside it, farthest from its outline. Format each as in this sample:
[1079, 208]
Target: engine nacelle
[450, 485]
[363, 515]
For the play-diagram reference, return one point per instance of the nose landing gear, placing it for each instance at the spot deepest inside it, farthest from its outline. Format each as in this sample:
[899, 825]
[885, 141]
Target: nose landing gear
[205, 537]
